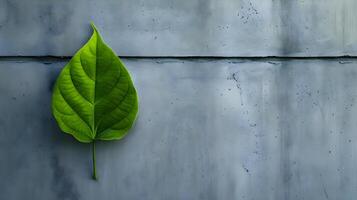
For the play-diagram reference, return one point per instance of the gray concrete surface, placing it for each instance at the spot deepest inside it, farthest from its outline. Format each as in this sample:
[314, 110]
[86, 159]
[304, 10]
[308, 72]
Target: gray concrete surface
[210, 129]
[207, 129]
[181, 28]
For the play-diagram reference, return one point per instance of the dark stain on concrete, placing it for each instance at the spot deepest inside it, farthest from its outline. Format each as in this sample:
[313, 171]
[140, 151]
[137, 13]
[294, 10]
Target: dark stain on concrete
[290, 33]
[325, 192]
[246, 11]
[52, 77]
[345, 62]
[284, 81]
[12, 13]
[63, 186]
[236, 79]
[55, 22]
[245, 169]
[201, 22]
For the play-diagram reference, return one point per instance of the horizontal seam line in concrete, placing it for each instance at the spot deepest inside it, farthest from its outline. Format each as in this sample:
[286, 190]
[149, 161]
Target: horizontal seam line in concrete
[257, 58]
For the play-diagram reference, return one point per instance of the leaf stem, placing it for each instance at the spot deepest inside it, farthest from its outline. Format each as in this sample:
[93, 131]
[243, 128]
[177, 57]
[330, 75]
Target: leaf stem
[93, 159]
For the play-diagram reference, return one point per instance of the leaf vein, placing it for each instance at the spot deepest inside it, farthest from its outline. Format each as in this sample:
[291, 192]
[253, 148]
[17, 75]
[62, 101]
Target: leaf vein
[85, 72]
[111, 90]
[79, 116]
[114, 109]
[80, 94]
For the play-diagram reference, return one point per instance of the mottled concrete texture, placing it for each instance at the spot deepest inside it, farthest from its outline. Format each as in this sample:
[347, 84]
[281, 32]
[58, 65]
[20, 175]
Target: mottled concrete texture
[207, 129]
[181, 27]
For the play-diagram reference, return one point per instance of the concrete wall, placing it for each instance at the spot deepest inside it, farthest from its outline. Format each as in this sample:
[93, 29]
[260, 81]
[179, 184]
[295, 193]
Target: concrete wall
[181, 27]
[208, 128]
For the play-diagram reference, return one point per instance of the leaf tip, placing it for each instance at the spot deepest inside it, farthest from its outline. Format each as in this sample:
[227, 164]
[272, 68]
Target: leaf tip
[93, 26]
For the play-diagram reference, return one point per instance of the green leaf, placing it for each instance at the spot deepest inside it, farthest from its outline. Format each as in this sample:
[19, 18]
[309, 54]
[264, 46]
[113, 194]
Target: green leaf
[94, 97]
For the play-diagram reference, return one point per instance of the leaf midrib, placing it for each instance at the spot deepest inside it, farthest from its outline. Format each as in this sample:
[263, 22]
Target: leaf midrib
[94, 128]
